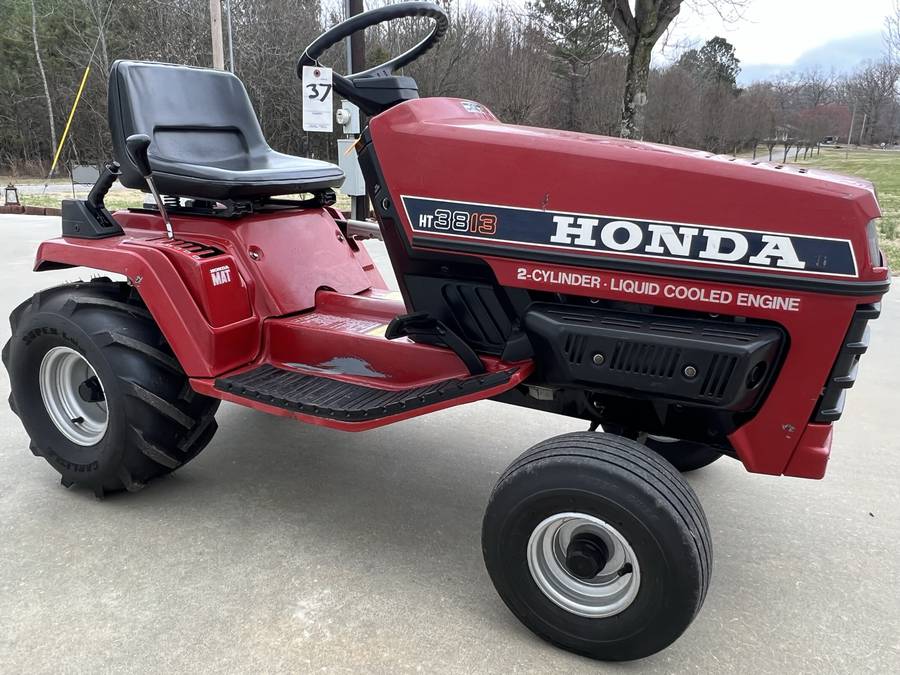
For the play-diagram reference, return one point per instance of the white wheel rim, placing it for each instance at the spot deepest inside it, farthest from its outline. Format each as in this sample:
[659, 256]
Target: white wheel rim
[65, 377]
[609, 592]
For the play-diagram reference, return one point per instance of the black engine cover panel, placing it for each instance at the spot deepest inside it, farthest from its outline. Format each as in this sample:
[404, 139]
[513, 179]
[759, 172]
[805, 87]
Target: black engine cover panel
[699, 361]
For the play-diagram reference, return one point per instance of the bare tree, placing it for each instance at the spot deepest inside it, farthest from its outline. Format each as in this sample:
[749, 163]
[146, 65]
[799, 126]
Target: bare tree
[788, 144]
[43, 73]
[755, 109]
[874, 89]
[580, 33]
[817, 87]
[892, 30]
[642, 29]
[670, 113]
[515, 70]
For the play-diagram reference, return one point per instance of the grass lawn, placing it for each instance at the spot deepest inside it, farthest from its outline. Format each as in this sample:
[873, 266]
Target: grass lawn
[882, 167]
[117, 199]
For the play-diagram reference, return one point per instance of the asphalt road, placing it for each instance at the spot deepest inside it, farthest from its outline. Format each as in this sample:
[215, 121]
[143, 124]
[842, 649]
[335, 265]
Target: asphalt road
[289, 548]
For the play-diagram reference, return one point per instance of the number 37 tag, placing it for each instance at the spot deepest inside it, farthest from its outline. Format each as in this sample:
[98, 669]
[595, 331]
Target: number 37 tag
[318, 111]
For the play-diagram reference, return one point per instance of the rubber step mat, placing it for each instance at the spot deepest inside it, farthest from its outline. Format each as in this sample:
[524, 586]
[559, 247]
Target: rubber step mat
[324, 397]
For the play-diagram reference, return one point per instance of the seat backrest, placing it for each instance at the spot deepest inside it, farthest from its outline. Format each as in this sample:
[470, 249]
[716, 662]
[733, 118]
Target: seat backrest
[196, 115]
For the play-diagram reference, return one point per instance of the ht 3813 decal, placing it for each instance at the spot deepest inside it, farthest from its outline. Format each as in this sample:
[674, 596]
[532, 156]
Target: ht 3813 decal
[445, 220]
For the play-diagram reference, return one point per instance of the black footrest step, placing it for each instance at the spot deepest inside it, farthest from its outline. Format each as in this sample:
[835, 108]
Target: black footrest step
[324, 397]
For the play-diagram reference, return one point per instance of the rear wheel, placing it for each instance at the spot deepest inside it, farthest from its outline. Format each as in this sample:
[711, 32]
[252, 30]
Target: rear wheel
[98, 390]
[598, 545]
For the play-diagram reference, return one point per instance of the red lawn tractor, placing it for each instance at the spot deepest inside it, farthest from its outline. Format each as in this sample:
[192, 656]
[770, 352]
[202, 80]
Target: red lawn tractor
[692, 306]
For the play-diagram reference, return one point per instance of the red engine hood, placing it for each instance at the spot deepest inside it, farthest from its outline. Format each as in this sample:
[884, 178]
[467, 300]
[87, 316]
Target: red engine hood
[454, 150]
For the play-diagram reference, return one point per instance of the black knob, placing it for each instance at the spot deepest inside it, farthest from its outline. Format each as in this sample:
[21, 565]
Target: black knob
[137, 146]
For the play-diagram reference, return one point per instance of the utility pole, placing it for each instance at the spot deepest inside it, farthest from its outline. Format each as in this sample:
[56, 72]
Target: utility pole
[357, 40]
[230, 35]
[356, 62]
[850, 133]
[215, 25]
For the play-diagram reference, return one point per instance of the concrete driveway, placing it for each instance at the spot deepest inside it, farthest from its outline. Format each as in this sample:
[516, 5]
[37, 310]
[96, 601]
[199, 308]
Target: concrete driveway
[290, 548]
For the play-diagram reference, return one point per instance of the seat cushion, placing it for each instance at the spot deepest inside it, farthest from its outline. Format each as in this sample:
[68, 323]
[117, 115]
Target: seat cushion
[205, 139]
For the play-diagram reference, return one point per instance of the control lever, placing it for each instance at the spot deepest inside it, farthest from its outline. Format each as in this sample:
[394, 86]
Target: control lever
[137, 146]
[424, 326]
[104, 183]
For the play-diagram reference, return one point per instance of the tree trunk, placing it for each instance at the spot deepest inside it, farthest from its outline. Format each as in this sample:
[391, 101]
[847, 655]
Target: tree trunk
[40, 63]
[99, 15]
[104, 52]
[572, 121]
[636, 77]
[754, 149]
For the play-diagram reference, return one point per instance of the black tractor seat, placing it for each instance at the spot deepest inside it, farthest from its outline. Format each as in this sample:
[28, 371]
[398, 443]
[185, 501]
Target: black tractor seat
[205, 139]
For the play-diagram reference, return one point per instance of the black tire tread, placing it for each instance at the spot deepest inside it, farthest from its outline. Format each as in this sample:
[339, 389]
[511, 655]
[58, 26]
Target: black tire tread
[161, 406]
[206, 427]
[128, 481]
[115, 337]
[154, 452]
[118, 305]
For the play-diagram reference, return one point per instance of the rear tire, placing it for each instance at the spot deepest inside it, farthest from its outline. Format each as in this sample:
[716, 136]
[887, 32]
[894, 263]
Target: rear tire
[135, 415]
[598, 545]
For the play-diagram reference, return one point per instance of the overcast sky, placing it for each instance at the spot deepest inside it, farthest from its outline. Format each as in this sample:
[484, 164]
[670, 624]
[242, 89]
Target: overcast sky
[794, 34]
[784, 35]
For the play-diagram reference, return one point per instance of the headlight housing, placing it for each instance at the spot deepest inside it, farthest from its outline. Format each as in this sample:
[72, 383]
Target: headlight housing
[874, 248]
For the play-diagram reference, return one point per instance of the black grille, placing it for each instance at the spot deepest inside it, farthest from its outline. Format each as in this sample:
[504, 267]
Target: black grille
[706, 362]
[718, 374]
[575, 347]
[846, 366]
[644, 359]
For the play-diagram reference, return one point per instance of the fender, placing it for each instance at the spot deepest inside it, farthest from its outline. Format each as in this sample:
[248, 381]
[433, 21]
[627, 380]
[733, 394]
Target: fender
[204, 347]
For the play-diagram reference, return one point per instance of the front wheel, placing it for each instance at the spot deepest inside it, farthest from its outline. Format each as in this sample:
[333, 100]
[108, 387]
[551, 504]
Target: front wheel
[598, 545]
[99, 391]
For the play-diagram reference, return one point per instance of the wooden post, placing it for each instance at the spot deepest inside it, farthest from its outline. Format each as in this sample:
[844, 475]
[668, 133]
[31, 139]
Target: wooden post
[215, 25]
[357, 41]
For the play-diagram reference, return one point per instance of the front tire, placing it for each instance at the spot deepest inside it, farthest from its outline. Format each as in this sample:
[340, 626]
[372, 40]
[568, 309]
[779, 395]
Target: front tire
[686, 456]
[98, 390]
[598, 545]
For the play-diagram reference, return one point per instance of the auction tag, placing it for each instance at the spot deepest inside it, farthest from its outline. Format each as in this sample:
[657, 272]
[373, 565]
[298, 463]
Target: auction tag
[318, 110]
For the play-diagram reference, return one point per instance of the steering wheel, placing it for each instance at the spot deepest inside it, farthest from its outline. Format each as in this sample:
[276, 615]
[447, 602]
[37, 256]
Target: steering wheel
[344, 85]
